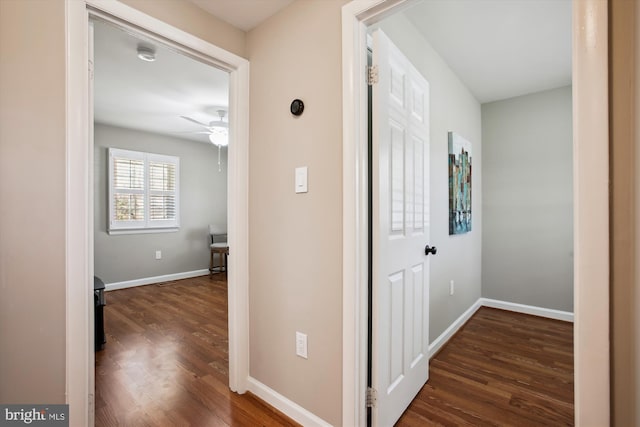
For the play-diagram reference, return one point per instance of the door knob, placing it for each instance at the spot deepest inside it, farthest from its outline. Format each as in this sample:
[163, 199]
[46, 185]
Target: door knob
[430, 250]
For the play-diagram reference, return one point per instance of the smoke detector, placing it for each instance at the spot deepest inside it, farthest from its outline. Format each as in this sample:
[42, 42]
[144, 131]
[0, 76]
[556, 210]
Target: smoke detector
[146, 53]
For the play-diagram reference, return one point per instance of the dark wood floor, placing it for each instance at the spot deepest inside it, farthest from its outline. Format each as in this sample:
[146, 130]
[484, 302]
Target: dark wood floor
[166, 360]
[500, 369]
[166, 364]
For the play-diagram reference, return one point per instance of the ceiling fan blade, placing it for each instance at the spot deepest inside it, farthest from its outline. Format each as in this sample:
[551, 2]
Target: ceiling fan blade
[197, 132]
[195, 121]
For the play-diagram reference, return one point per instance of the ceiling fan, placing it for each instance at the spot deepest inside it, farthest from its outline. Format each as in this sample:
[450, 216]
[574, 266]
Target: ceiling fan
[218, 131]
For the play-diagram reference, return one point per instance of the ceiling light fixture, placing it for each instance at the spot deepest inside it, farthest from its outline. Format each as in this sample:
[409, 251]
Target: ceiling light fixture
[146, 53]
[219, 135]
[219, 138]
[219, 130]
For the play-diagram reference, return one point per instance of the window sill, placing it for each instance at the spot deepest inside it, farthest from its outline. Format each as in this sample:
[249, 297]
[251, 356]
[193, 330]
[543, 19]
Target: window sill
[142, 231]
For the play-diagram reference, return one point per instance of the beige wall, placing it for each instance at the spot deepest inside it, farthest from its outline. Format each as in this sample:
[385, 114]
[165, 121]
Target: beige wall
[635, 338]
[295, 243]
[625, 224]
[32, 207]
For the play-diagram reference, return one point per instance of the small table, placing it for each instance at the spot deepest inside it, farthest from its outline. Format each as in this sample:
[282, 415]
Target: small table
[223, 251]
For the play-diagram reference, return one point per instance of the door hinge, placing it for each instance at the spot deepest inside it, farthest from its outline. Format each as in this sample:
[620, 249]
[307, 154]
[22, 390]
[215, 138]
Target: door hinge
[372, 397]
[91, 70]
[372, 75]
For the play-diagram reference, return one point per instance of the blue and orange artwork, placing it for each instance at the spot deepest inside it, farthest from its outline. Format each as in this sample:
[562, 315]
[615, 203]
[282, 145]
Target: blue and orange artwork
[459, 184]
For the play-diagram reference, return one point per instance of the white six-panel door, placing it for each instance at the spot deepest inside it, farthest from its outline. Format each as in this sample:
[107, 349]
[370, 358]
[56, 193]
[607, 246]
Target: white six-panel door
[400, 359]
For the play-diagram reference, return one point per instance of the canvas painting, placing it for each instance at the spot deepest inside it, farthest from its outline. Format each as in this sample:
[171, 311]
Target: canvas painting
[459, 184]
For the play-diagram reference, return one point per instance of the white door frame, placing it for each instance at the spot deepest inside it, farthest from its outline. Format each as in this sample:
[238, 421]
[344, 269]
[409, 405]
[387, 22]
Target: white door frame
[590, 192]
[79, 205]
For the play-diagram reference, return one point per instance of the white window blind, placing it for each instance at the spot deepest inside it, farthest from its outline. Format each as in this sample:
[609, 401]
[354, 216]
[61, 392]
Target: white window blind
[143, 191]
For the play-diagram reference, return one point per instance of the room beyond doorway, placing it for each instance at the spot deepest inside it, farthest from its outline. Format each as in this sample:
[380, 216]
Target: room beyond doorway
[160, 171]
[151, 223]
[590, 201]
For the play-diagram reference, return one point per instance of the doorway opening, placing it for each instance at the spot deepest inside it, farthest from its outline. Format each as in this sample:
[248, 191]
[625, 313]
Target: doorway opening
[160, 137]
[80, 209]
[587, 124]
[479, 126]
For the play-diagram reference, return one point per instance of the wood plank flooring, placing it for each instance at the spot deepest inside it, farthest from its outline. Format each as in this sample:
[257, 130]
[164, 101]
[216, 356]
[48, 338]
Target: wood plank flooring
[166, 364]
[166, 360]
[500, 369]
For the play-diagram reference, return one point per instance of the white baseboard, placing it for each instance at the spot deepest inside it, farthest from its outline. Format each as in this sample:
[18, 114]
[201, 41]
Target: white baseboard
[453, 328]
[284, 405]
[528, 309]
[156, 279]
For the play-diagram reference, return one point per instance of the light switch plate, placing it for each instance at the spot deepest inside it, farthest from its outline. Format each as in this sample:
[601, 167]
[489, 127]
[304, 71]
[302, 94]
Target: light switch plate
[301, 179]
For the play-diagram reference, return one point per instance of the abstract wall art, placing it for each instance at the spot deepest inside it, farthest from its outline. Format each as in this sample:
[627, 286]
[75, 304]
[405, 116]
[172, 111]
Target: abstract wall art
[459, 184]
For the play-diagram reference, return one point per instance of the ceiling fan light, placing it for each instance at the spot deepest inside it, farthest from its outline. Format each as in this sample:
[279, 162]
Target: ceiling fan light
[219, 139]
[219, 130]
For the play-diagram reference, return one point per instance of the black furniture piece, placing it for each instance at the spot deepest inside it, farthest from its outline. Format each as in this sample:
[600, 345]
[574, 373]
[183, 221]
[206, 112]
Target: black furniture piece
[99, 303]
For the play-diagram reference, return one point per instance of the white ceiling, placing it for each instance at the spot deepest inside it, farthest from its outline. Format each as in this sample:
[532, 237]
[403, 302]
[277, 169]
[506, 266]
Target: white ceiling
[500, 48]
[243, 14]
[150, 96]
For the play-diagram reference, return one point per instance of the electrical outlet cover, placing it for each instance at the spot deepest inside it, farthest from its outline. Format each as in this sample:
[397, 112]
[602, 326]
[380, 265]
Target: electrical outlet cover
[301, 344]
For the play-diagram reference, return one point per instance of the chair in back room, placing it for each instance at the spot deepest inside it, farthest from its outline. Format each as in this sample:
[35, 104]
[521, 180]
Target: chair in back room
[218, 245]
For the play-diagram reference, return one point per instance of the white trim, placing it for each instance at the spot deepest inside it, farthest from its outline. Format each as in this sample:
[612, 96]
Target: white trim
[590, 82]
[124, 14]
[354, 223]
[79, 358]
[549, 313]
[155, 279]
[286, 406]
[590, 205]
[238, 226]
[143, 231]
[356, 15]
[448, 333]
[79, 210]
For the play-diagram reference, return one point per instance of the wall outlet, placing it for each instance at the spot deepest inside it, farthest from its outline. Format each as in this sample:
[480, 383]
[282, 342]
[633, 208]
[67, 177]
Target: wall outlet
[158, 254]
[451, 287]
[301, 344]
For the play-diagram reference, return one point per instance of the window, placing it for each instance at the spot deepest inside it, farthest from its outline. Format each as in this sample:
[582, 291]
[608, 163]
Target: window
[143, 192]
